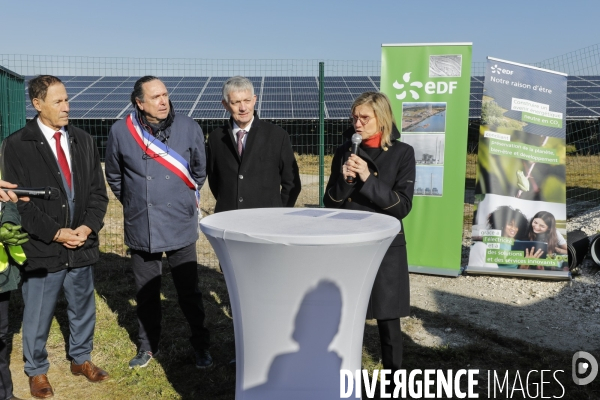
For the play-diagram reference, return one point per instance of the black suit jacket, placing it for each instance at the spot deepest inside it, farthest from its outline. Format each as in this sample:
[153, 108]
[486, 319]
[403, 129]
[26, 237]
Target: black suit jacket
[266, 176]
[28, 161]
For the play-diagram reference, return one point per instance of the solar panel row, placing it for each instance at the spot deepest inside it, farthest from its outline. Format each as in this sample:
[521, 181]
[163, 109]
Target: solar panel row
[280, 96]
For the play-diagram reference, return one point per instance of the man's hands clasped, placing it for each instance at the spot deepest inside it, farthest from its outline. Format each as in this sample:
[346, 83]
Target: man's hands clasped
[72, 238]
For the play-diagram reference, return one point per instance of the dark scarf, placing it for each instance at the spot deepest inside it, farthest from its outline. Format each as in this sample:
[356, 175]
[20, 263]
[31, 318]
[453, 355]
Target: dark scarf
[162, 130]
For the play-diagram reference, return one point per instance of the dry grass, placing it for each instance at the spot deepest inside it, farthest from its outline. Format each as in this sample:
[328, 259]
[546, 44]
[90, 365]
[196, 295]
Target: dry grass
[471, 166]
[583, 171]
[173, 376]
[309, 164]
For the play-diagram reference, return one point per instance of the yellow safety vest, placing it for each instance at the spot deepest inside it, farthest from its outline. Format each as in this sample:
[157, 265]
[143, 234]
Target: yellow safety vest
[16, 252]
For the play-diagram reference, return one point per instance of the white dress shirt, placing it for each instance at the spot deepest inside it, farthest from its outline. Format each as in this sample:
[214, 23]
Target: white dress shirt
[64, 140]
[236, 128]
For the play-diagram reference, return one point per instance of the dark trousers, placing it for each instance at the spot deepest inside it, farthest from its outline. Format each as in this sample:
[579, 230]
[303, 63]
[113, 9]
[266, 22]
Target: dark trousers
[6, 387]
[147, 269]
[40, 293]
[390, 336]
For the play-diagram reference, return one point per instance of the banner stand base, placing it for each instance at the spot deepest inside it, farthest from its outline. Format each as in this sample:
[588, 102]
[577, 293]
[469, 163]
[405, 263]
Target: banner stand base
[520, 273]
[434, 271]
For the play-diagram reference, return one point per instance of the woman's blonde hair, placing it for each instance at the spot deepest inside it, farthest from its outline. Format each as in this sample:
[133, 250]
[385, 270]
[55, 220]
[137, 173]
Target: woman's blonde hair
[380, 104]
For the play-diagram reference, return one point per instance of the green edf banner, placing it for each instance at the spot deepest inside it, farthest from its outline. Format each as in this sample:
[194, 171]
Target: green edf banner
[429, 87]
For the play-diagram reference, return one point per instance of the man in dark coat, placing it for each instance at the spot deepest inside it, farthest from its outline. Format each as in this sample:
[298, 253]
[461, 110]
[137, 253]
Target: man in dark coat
[251, 163]
[155, 166]
[63, 233]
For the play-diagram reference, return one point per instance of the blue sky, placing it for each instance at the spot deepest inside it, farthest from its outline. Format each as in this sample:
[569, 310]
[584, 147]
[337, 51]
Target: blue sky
[517, 30]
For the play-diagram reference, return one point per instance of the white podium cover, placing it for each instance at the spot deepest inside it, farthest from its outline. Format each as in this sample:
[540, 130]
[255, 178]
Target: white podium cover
[299, 282]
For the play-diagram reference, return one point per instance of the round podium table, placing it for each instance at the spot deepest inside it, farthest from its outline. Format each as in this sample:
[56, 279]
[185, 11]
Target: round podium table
[299, 282]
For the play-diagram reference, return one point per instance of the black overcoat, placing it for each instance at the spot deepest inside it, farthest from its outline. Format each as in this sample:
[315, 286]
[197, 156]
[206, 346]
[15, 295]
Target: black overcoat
[388, 190]
[265, 176]
[28, 161]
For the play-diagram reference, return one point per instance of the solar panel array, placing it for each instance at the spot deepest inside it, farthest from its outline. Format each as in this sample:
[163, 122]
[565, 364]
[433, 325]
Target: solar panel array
[279, 97]
[476, 96]
[583, 97]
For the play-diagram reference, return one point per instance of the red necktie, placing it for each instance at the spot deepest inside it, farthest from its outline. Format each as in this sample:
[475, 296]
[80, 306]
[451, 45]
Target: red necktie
[62, 159]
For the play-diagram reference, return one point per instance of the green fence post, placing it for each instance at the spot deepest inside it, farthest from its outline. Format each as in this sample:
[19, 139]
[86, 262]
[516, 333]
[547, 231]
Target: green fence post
[321, 133]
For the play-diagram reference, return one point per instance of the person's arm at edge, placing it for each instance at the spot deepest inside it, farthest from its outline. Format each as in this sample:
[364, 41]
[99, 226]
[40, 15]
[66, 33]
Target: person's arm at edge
[198, 158]
[213, 181]
[35, 222]
[289, 173]
[7, 195]
[97, 203]
[112, 164]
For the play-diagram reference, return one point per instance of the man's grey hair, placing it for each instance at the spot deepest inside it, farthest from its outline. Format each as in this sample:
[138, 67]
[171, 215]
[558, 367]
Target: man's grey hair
[236, 84]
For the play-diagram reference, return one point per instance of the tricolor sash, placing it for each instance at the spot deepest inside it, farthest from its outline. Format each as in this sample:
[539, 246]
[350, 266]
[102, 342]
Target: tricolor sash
[162, 153]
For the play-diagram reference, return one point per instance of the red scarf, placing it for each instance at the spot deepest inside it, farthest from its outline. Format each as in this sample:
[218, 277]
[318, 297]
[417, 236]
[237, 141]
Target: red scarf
[374, 141]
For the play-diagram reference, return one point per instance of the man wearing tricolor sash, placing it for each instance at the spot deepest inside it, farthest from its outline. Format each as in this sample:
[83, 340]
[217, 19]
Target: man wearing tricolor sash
[155, 166]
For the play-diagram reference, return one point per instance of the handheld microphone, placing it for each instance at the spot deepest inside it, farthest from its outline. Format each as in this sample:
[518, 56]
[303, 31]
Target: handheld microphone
[356, 139]
[46, 193]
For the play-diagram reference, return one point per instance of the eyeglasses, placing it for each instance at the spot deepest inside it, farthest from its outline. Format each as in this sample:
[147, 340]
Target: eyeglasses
[363, 119]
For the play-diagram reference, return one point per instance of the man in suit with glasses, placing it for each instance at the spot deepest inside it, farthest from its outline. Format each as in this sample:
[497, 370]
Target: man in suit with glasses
[155, 166]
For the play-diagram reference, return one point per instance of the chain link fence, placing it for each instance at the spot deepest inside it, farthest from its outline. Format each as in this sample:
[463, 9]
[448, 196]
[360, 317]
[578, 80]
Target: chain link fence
[583, 166]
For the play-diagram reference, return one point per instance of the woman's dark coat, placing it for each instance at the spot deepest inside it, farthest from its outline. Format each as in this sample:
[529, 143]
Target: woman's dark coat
[388, 190]
[28, 161]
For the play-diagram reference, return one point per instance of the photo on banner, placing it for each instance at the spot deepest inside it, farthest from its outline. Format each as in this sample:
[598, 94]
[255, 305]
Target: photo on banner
[519, 221]
[429, 86]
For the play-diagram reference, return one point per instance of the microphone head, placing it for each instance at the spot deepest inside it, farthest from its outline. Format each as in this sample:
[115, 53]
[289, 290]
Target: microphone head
[356, 138]
[54, 193]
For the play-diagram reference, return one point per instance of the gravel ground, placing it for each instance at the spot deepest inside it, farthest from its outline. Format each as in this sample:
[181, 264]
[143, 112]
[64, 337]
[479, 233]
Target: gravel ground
[562, 315]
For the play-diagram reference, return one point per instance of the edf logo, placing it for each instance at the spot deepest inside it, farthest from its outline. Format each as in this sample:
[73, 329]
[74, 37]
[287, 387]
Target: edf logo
[584, 363]
[500, 71]
[440, 87]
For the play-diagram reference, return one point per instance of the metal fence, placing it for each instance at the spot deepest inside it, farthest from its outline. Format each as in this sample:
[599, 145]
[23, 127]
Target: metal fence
[583, 161]
[12, 102]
